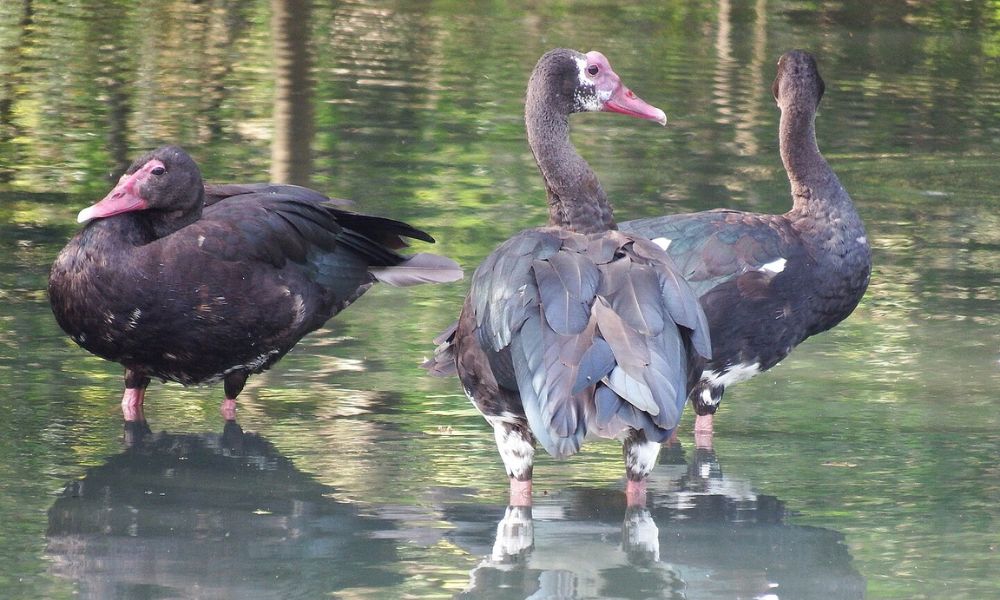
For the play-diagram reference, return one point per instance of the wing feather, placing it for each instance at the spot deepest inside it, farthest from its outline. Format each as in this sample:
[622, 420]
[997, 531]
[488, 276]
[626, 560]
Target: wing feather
[629, 348]
[566, 282]
[635, 295]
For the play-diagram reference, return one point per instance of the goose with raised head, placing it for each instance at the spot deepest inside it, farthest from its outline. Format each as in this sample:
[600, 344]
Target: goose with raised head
[190, 283]
[576, 329]
[768, 282]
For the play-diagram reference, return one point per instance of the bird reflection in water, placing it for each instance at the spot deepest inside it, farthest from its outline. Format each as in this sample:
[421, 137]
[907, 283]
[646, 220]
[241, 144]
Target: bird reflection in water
[702, 534]
[211, 516]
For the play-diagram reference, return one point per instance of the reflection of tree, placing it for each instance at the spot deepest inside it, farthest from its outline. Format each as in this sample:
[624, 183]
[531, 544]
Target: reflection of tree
[209, 516]
[291, 144]
[112, 79]
[225, 27]
[12, 77]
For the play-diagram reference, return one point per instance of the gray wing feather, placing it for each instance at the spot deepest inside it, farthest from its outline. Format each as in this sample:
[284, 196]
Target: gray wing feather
[676, 295]
[629, 348]
[597, 362]
[635, 294]
[566, 282]
[685, 310]
[556, 425]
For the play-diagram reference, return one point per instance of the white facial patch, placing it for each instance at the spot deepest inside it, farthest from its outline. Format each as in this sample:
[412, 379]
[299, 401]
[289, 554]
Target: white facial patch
[588, 102]
[775, 266]
[581, 68]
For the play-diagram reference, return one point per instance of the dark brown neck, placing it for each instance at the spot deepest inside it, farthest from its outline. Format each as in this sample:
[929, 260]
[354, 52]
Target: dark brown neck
[165, 223]
[822, 208]
[809, 174]
[575, 196]
[127, 229]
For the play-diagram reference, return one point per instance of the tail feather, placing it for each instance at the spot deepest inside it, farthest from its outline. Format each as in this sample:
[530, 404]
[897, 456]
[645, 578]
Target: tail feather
[418, 269]
[442, 364]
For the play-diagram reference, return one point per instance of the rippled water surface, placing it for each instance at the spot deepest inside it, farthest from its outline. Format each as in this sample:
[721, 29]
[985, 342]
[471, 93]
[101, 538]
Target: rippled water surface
[863, 466]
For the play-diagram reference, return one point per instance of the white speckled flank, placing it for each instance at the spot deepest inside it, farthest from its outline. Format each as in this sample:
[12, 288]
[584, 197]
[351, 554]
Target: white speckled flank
[133, 320]
[251, 366]
[734, 374]
[298, 309]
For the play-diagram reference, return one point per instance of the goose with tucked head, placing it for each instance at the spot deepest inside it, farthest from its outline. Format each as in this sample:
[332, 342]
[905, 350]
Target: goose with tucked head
[191, 283]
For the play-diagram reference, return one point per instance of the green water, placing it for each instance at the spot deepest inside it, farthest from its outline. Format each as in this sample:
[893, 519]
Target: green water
[864, 465]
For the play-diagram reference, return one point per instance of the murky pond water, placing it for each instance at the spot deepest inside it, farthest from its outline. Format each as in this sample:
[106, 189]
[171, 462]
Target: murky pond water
[863, 466]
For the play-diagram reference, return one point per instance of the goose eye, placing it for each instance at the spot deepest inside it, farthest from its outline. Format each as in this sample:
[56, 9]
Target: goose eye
[158, 171]
[593, 70]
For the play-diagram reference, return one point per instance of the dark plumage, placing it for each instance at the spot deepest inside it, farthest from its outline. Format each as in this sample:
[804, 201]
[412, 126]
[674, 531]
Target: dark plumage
[191, 283]
[576, 329]
[767, 282]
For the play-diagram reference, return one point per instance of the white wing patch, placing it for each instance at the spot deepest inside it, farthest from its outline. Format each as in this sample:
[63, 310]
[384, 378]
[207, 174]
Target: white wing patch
[775, 266]
[662, 242]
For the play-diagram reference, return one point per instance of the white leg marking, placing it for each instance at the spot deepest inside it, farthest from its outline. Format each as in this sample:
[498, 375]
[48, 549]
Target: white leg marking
[706, 397]
[517, 453]
[641, 458]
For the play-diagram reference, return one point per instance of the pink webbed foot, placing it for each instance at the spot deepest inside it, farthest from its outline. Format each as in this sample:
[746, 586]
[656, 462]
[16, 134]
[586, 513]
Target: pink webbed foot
[132, 404]
[228, 409]
[635, 493]
[520, 492]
